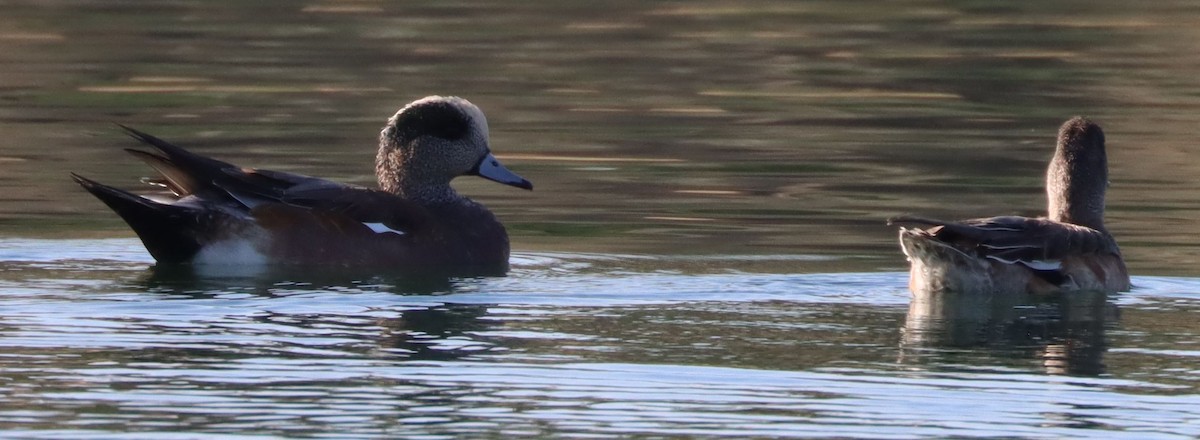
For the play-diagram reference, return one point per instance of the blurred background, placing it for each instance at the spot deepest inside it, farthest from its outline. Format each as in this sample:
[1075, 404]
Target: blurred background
[694, 127]
[705, 253]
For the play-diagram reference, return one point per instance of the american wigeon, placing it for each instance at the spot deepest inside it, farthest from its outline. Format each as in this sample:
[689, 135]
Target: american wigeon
[225, 214]
[1069, 250]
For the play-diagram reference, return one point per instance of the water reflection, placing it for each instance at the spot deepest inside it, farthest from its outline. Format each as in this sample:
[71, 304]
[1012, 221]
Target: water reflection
[279, 279]
[422, 331]
[1066, 333]
[440, 333]
[587, 345]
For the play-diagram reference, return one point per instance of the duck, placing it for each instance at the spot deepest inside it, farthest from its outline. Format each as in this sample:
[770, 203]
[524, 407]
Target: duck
[1068, 250]
[217, 213]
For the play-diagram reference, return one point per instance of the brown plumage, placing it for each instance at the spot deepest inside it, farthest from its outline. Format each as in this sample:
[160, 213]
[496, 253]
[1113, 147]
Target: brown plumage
[224, 214]
[1068, 250]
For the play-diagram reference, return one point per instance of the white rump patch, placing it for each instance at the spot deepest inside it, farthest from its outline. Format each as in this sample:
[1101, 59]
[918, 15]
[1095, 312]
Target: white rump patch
[234, 252]
[380, 228]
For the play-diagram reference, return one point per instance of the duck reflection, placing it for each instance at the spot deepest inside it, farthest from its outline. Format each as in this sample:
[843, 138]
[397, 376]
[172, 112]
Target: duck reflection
[1066, 332]
[437, 331]
[201, 280]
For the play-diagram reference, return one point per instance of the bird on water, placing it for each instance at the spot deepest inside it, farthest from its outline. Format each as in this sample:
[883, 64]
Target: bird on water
[220, 213]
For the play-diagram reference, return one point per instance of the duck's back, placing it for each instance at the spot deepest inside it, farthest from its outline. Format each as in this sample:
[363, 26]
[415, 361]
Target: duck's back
[386, 232]
[1011, 254]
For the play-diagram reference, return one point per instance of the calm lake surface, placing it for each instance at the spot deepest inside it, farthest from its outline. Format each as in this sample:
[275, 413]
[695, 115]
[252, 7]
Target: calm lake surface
[705, 253]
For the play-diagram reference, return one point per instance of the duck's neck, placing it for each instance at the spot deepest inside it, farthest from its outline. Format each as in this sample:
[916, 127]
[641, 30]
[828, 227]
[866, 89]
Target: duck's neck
[424, 192]
[1076, 192]
[419, 185]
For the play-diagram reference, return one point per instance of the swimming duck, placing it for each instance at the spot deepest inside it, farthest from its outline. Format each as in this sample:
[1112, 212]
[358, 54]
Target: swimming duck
[224, 214]
[1069, 250]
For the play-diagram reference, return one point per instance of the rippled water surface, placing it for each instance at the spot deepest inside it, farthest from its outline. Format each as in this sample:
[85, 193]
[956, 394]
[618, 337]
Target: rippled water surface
[705, 253]
[95, 343]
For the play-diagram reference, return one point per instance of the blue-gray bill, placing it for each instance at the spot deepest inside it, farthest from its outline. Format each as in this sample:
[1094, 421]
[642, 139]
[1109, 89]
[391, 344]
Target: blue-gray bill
[491, 169]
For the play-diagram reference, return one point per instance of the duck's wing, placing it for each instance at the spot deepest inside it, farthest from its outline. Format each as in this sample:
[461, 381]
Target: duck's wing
[378, 211]
[276, 195]
[186, 173]
[1038, 243]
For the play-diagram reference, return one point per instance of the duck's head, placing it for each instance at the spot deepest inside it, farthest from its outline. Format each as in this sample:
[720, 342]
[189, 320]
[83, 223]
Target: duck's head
[430, 142]
[1077, 178]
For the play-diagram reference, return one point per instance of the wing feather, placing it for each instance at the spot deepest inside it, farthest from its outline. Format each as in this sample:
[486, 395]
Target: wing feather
[1037, 243]
[264, 193]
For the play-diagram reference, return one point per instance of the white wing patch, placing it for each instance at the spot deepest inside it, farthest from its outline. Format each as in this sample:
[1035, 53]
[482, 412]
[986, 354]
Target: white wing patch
[1019, 246]
[1032, 264]
[380, 228]
[998, 228]
[245, 200]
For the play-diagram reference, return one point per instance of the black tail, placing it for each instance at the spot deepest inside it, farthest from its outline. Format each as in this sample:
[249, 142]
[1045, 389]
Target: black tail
[171, 233]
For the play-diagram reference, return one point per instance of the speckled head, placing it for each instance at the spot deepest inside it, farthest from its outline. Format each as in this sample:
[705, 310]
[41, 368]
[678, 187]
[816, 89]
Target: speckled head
[1077, 178]
[430, 142]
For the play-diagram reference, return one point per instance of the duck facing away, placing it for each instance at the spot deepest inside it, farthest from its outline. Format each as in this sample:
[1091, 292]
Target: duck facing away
[414, 221]
[1069, 250]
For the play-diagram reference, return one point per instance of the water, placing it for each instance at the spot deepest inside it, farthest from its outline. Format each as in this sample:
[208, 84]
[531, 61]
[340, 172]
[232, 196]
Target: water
[705, 252]
[573, 345]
